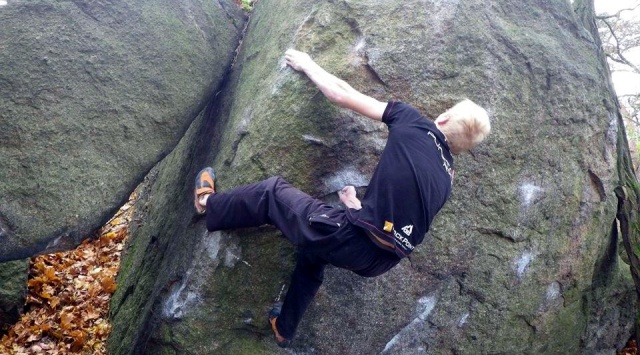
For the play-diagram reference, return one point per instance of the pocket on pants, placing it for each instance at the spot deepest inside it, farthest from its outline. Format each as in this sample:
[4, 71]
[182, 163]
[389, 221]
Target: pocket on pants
[327, 219]
[325, 223]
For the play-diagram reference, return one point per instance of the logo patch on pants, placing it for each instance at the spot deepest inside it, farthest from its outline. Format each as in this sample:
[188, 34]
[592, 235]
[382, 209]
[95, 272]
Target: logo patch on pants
[388, 226]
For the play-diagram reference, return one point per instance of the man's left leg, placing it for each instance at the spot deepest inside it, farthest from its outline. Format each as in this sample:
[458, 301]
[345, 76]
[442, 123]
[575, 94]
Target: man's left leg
[305, 281]
[352, 250]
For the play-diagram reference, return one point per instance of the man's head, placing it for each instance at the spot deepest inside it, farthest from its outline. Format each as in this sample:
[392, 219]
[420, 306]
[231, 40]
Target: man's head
[465, 125]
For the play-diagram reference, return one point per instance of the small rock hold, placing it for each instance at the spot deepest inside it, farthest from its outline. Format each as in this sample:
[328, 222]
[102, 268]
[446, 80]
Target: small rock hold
[4, 231]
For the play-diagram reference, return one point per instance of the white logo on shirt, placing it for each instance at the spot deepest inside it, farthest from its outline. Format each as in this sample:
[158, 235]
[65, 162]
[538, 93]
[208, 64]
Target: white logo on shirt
[404, 242]
[408, 229]
[445, 163]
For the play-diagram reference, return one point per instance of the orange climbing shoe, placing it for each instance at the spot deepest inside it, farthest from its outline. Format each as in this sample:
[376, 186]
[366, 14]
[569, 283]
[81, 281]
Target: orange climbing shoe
[205, 184]
[273, 317]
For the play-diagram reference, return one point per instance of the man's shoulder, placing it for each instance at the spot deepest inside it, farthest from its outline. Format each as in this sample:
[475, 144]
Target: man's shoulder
[401, 112]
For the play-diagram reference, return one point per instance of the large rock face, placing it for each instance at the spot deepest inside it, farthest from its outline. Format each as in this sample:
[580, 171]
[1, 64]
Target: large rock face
[521, 260]
[92, 95]
[13, 291]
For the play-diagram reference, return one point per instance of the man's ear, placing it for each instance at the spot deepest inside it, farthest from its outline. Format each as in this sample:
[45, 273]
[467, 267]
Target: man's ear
[442, 120]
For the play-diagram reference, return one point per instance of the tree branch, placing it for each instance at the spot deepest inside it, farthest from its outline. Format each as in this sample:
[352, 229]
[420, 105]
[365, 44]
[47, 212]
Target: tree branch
[617, 14]
[618, 51]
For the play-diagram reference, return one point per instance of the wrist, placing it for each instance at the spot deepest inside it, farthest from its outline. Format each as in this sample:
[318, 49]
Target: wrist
[310, 66]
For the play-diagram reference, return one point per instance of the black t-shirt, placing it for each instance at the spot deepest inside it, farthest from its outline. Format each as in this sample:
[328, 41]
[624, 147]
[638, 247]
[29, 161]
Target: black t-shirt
[411, 182]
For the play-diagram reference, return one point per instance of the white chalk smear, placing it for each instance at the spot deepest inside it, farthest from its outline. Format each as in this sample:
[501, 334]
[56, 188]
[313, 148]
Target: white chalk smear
[528, 193]
[344, 177]
[391, 343]
[553, 291]
[522, 263]
[212, 245]
[312, 139]
[423, 309]
[463, 320]
[360, 45]
[3, 2]
[425, 306]
[180, 300]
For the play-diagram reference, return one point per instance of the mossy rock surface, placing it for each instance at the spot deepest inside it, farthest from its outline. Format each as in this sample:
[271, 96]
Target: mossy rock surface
[520, 259]
[13, 291]
[92, 95]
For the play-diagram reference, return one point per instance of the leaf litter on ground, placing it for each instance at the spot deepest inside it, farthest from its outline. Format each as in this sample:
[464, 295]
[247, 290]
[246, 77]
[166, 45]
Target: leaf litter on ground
[68, 295]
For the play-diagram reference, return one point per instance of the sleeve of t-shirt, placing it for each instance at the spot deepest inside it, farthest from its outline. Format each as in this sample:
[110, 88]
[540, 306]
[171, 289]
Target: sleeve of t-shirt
[399, 113]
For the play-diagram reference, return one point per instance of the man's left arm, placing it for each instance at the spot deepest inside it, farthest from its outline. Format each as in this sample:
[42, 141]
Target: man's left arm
[335, 89]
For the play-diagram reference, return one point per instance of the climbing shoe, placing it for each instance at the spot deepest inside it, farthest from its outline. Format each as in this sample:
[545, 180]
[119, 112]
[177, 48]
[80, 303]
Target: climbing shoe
[273, 317]
[205, 184]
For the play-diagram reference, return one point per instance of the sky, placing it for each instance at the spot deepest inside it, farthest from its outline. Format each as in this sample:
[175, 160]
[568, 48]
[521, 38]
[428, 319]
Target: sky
[610, 6]
[625, 83]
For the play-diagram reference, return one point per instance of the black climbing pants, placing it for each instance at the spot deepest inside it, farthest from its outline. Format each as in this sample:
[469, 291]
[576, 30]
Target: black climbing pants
[321, 232]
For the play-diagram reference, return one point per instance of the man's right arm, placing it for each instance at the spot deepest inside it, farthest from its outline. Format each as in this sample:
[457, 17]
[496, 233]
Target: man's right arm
[335, 89]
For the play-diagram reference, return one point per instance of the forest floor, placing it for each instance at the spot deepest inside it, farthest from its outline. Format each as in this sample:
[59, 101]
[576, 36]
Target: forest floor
[68, 296]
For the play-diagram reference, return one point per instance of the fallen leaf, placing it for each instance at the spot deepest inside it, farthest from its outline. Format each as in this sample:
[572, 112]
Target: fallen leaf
[66, 321]
[79, 338]
[50, 274]
[108, 284]
[54, 301]
[33, 337]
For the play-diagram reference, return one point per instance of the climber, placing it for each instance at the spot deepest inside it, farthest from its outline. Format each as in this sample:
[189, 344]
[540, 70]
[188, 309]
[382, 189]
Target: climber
[410, 184]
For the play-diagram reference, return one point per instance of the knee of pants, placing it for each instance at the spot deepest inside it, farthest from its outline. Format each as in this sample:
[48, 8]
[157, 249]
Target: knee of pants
[271, 183]
[275, 181]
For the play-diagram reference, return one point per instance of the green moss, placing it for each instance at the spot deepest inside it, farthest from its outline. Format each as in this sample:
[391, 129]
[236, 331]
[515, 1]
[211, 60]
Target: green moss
[249, 347]
[179, 44]
[247, 4]
[234, 299]
[566, 328]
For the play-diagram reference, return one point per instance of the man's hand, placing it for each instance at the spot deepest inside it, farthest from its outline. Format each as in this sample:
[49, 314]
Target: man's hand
[348, 197]
[297, 60]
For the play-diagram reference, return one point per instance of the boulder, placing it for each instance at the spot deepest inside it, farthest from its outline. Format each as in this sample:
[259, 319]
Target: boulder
[92, 95]
[13, 291]
[522, 259]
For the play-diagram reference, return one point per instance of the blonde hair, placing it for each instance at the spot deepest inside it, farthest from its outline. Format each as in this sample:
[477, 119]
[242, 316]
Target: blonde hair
[468, 124]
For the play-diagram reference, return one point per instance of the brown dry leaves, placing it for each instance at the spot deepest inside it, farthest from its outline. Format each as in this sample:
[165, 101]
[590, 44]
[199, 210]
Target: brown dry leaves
[630, 349]
[68, 296]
